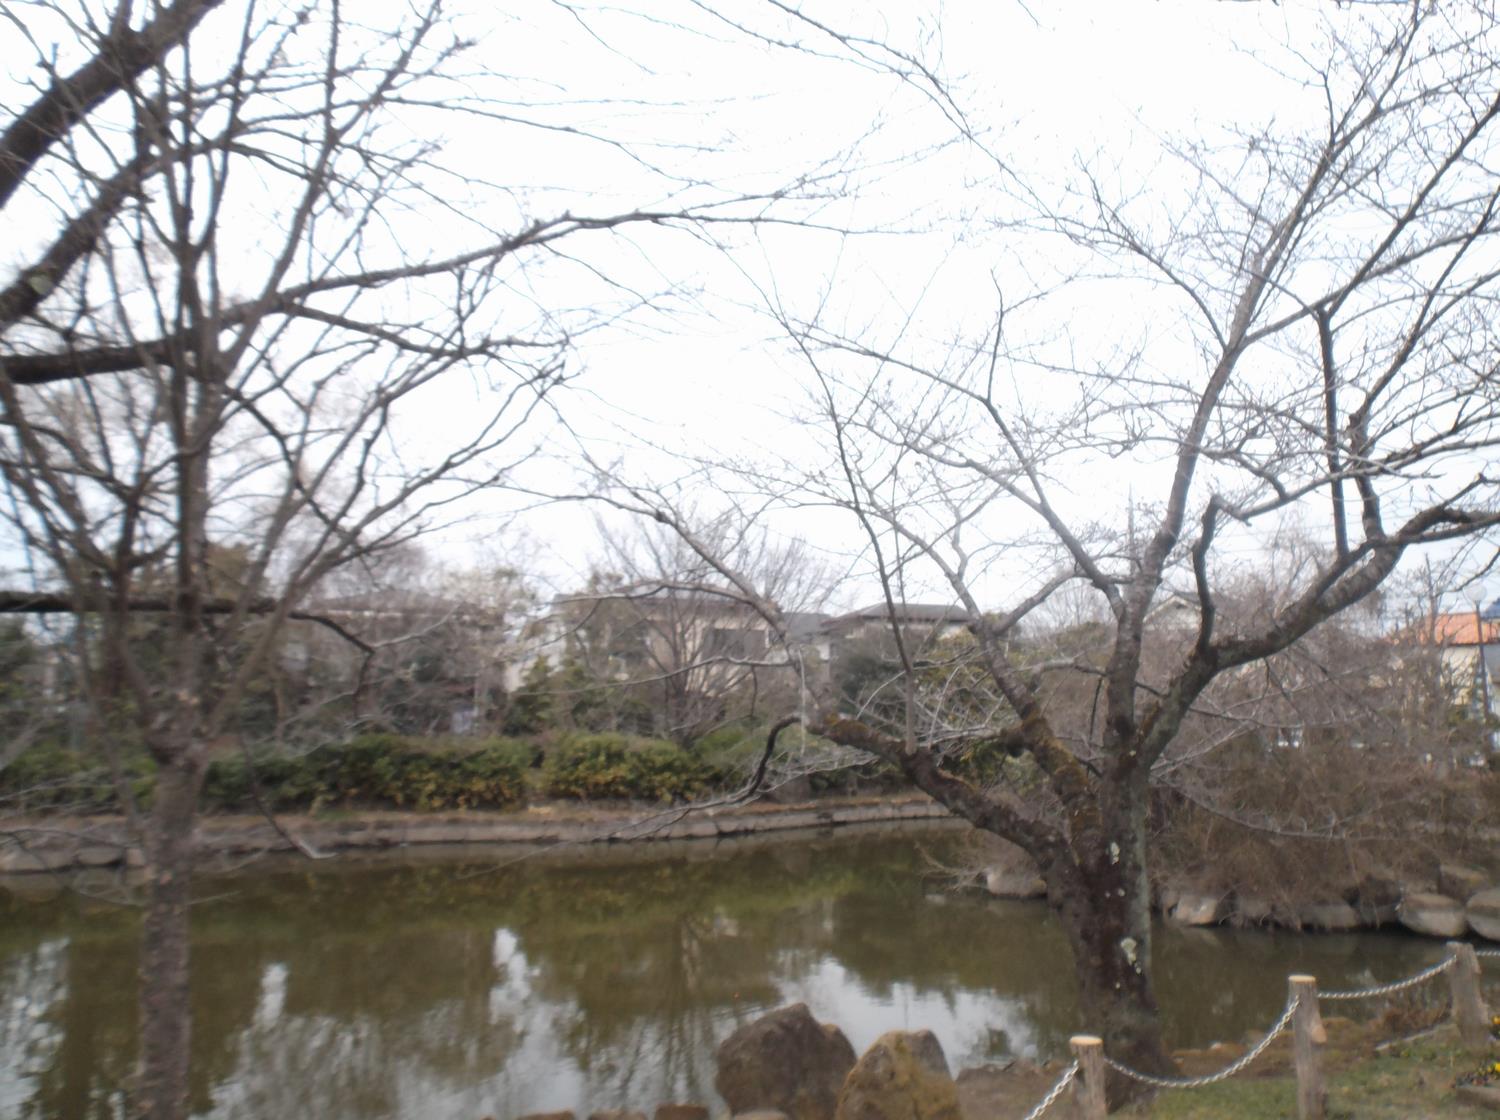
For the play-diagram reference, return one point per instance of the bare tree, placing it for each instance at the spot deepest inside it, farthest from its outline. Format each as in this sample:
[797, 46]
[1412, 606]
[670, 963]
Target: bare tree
[1295, 323]
[437, 640]
[260, 313]
[662, 626]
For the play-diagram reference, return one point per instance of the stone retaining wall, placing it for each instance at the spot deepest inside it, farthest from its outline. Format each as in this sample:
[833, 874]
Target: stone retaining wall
[1459, 901]
[56, 845]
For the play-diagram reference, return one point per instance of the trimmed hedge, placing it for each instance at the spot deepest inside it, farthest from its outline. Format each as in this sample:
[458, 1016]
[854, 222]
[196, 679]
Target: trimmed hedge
[589, 767]
[50, 777]
[378, 771]
[415, 773]
[389, 771]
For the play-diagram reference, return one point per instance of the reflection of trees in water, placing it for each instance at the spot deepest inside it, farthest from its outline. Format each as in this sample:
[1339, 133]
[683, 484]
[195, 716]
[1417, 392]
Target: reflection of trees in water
[389, 993]
[226, 988]
[431, 991]
[354, 1022]
[327, 1060]
[387, 979]
[69, 1029]
[67, 1004]
[648, 980]
[30, 1039]
[403, 973]
[1216, 984]
[966, 944]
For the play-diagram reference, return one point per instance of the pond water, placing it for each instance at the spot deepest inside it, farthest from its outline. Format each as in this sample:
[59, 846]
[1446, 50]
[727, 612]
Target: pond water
[463, 987]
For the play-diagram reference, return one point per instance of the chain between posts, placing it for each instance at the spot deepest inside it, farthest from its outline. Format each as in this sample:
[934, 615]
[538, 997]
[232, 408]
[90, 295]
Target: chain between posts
[1279, 1026]
[1052, 1094]
[1487, 952]
[1213, 1078]
[1394, 987]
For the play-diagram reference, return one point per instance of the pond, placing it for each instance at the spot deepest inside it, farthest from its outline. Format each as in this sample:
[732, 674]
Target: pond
[466, 986]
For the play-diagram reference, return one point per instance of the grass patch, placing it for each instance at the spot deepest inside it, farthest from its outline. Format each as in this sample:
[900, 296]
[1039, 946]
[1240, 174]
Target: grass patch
[1413, 1081]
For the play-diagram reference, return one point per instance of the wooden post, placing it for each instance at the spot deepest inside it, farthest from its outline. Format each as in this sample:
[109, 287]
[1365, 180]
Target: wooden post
[1090, 1095]
[1308, 1037]
[1468, 1005]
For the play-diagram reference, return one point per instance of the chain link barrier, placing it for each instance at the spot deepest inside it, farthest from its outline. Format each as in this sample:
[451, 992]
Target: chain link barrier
[1053, 1093]
[1213, 1078]
[1281, 1024]
[1395, 986]
[1260, 1048]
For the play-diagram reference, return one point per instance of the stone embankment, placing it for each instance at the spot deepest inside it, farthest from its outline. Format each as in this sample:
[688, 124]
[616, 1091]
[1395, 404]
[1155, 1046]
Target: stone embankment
[1454, 903]
[53, 844]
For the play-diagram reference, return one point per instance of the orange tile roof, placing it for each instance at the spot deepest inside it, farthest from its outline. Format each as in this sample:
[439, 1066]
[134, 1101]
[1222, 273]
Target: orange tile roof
[1455, 629]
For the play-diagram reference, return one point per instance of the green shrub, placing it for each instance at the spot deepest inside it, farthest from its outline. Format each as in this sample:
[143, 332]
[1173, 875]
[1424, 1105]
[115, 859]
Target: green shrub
[493, 774]
[731, 745]
[51, 777]
[285, 781]
[663, 771]
[591, 767]
[390, 771]
[227, 783]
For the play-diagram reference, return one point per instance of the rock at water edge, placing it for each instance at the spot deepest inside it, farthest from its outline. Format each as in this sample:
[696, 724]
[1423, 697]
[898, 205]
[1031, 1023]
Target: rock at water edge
[785, 1061]
[1195, 909]
[1003, 883]
[903, 1076]
[1330, 917]
[1483, 913]
[1435, 915]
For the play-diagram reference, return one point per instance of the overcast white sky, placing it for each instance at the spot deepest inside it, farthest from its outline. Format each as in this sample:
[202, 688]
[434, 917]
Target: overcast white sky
[1048, 86]
[595, 93]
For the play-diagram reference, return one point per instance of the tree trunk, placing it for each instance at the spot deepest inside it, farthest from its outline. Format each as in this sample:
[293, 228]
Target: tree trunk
[161, 1091]
[1102, 896]
[1116, 998]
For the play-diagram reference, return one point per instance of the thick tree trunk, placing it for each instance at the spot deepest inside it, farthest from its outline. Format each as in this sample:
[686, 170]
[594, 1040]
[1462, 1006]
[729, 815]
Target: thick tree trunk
[1116, 998]
[161, 1091]
[1096, 879]
[1102, 896]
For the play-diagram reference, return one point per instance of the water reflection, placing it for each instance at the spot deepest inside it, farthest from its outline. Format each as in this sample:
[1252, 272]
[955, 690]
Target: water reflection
[452, 990]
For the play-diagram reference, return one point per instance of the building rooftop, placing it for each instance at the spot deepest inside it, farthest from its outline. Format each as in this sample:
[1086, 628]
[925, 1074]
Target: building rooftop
[1454, 628]
[906, 612]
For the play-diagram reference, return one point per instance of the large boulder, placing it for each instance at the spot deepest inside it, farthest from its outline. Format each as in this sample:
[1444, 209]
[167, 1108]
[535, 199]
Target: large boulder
[1483, 913]
[1014, 883]
[1194, 908]
[903, 1076]
[1461, 883]
[786, 1061]
[1329, 917]
[1435, 915]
